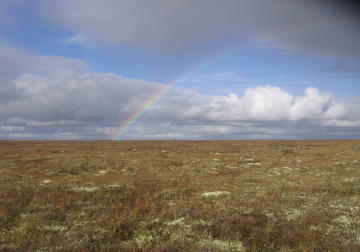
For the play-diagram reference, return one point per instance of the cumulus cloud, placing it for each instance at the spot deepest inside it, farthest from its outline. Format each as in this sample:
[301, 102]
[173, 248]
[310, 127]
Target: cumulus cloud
[271, 103]
[69, 104]
[14, 61]
[70, 96]
[321, 27]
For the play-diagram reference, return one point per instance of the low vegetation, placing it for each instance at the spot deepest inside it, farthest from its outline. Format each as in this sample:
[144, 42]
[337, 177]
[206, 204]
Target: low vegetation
[180, 195]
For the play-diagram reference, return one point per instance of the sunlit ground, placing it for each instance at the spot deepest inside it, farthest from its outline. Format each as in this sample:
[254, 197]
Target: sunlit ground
[180, 195]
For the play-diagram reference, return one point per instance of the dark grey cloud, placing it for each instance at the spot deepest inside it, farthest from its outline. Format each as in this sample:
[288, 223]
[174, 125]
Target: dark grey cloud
[343, 68]
[5, 10]
[14, 61]
[326, 28]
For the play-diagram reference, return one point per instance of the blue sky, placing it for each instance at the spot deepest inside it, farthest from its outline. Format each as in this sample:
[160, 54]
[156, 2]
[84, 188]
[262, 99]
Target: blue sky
[238, 69]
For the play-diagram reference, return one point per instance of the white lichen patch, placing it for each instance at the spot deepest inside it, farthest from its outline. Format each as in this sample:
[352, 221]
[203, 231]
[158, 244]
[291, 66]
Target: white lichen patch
[10, 245]
[143, 240]
[57, 228]
[299, 195]
[46, 181]
[276, 172]
[221, 245]
[268, 214]
[100, 173]
[293, 213]
[255, 164]
[349, 180]
[201, 223]
[212, 171]
[245, 210]
[175, 222]
[112, 186]
[232, 167]
[339, 208]
[259, 193]
[214, 194]
[312, 227]
[343, 220]
[100, 230]
[84, 189]
[26, 215]
[287, 168]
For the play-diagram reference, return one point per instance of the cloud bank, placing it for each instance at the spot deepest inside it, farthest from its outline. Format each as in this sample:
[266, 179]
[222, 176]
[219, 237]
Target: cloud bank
[69, 104]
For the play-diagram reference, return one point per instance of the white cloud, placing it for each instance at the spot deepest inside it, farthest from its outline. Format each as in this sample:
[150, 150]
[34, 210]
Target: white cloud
[260, 103]
[312, 105]
[92, 105]
[269, 103]
[67, 96]
[11, 128]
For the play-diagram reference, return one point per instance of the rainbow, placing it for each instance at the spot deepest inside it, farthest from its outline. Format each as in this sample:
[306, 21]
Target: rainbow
[142, 108]
[162, 91]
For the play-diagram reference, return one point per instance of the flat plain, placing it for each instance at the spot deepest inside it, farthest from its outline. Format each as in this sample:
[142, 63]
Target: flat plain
[180, 195]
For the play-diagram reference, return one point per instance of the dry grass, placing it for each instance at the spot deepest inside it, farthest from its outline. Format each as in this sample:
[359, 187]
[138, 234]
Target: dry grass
[180, 196]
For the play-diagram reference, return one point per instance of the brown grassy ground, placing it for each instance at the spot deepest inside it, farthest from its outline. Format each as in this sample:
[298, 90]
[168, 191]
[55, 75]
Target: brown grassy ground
[180, 195]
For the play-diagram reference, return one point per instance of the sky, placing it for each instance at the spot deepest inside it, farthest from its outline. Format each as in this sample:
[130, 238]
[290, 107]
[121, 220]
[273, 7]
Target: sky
[179, 69]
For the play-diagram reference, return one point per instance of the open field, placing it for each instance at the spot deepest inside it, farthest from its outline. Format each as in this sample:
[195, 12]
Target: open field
[180, 195]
